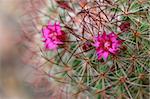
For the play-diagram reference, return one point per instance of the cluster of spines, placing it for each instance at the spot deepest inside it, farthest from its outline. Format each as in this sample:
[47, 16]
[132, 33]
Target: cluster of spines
[122, 75]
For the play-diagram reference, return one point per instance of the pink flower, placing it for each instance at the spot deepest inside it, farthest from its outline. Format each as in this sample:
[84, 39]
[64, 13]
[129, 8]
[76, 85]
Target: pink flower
[107, 44]
[53, 35]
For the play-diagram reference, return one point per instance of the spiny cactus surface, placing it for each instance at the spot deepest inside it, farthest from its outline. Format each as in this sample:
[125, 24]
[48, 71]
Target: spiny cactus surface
[99, 49]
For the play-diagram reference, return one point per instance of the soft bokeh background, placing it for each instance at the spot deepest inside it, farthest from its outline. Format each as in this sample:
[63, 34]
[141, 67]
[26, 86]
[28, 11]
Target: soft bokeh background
[18, 80]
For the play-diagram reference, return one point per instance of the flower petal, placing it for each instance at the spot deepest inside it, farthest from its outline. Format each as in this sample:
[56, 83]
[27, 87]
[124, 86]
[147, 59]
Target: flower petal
[96, 44]
[105, 55]
[104, 36]
[58, 28]
[51, 46]
[45, 32]
[112, 50]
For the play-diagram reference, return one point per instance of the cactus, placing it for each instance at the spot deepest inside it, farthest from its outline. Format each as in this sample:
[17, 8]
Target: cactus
[99, 49]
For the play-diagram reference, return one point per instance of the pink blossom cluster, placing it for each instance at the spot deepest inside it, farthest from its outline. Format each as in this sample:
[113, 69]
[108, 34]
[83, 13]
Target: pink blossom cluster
[106, 44]
[53, 35]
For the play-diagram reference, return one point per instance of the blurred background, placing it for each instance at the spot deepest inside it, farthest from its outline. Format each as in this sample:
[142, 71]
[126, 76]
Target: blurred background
[18, 80]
